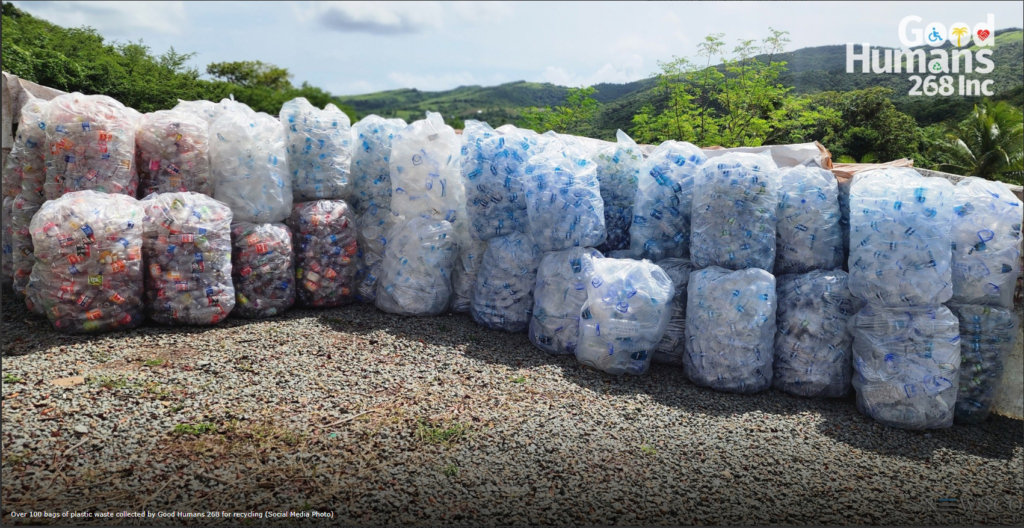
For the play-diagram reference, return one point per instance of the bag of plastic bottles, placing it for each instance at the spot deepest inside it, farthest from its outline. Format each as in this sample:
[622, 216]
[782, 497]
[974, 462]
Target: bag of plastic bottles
[844, 219]
[325, 252]
[493, 173]
[628, 306]
[250, 173]
[986, 243]
[730, 329]
[664, 200]
[426, 177]
[809, 236]
[187, 245]
[735, 199]
[987, 336]
[416, 277]
[319, 145]
[672, 347]
[173, 153]
[205, 110]
[812, 344]
[467, 267]
[503, 294]
[25, 170]
[563, 199]
[262, 269]
[372, 226]
[8, 256]
[900, 238]
[906, 364]
[87, 275]
[91, 146]
[371, 152]
[559, 295]
[22, 258]
[618, 171]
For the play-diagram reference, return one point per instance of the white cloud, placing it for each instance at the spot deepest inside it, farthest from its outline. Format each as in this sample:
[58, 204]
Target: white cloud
[625, 68]
[382, 18]
[446, 81]
[481, 11]
[114, 19]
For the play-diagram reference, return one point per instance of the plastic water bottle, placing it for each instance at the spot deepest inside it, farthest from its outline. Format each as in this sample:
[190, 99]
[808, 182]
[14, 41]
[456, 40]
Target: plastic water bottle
[324, 240]
[813, 354]
[426, 177]
[672, 347]
[900, 238]
[416, 276]
[503, 294]
[25, 170]
[319, 145]
[372, 226]
[22, 258]
[664, 200]
[987, 335]
[372, 138]
[262, 269]
[986, 243]
[493, 170]
[250, 168]
[628, 306]
[618, 171]
[563, 199]
[809, 235]
[559, 295]
[173, 153]
[730, 329]
[906, 364]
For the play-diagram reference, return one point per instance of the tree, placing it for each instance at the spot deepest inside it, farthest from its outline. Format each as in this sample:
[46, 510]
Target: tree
[251, 74]
[989, 144]
[574, 117]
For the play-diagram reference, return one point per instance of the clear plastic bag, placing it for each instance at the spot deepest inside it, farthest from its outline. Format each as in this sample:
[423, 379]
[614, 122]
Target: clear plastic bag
[493, 173]
[906, 365]
[986, 236]
[416, 276]
[87, 276]
[205, 110]
[900, 238]
[559, 295]
[730, 329]
[563, 199]
[503, 294]
[173, 153]
[672, 347]
[187, 244]
[25, 170]
[987, 335]
[371, 153]
[250, 171]
[91, 146]
[664, 200]
[319, 146]
[735, 199]
[426, 177]
[262, 269]
[618, 171]
[809, 236]
[22, 258]
[628, 306]
[467, 267]
[372, 226]
[325, 252]
[812, 344]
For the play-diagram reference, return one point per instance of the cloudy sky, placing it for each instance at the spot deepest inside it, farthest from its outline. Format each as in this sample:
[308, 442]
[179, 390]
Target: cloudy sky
[359, 47]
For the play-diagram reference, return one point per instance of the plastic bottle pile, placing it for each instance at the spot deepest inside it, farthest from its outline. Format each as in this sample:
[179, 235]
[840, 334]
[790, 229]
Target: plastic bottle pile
[372, 228]
[262, 269]
[247, 155]
[559, 294]
[906, 365]
[25, 171]
[563, 199]
[618, 172]
[628, 306]
[187, 244]
[371, 152]
[416, 276]
[206, 110]
[22, 258]
[425, 170]
[809, 236]
[503, 294]
[319, 145]
[493, 170]
[813, 354]
[467, 267]
[986, 243]
[325, 252]
[673, 344]
[986, 339]
[91, 146]
[173, 153]
[87, 275]
[664, 201]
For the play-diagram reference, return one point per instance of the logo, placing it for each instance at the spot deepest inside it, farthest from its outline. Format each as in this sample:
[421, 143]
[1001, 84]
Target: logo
[959, 34]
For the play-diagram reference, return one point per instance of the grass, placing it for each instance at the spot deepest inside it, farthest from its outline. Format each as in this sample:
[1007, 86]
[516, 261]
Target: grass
[441, 434]
[195, 429]
[154, 362]
[519, 379]
[648, 450]
[11, 378]
[109, 382]
[451, 470]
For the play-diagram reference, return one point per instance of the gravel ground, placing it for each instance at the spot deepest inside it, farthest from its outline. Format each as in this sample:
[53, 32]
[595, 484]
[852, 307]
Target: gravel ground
[382, 419]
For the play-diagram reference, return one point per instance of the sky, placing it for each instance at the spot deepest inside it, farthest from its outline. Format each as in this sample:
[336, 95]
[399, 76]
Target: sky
[352, 48]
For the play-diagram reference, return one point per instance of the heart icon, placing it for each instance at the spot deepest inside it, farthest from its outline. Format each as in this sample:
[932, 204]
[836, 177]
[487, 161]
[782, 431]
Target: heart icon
[983, 34]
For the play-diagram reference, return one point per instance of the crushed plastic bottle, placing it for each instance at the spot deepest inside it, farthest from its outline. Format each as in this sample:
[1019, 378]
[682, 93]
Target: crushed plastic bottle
[22, 257]
[906, 364]
[492, 169]
[262, 269]
[735, 199]
[628, 307]
[187, 244]
[90, 146]
[809, 236]
[987, 335]
[812, 345]
[672, 347]
[730, 329]
[319, 145]
[25, 170]
[250, 171]
[372, 230]
[416, 276]
[371, 153]
[173, 153]
[900, 238]
[503, 293]
[426, 177]
[559, 295]
[467, 267]
[87, 276]
[563, 199]
[325, 252]
[618, 171]
[664, 201]
[986, 236]
[620, 254]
